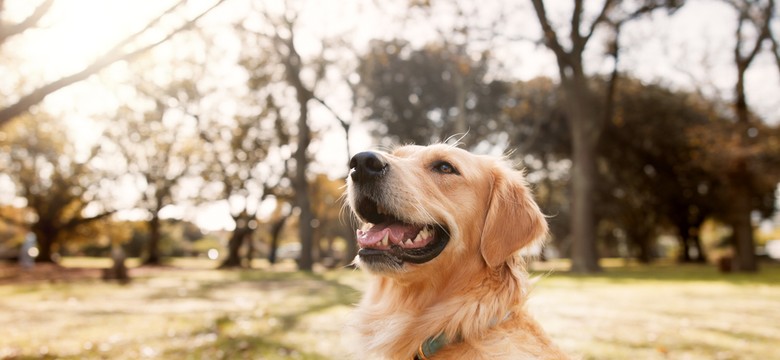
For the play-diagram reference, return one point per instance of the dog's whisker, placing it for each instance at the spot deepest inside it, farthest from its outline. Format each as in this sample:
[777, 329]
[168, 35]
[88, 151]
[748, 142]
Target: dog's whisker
[458, 142]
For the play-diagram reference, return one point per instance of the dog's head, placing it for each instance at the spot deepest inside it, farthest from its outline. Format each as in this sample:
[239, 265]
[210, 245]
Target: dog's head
[426, 205]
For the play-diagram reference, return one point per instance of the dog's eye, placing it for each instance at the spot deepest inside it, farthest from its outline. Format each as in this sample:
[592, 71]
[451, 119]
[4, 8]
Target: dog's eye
[444, 167]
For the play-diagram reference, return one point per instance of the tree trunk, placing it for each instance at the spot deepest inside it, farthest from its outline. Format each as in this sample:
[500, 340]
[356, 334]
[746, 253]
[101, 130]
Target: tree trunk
[583, 222]
[352, 248]
[302, 199]
[740, 178]
[701, 257]
[276, 230]
[683, 231]
[234, 246]
[250, 248]
[690, 240]
[153, 246]
[316, 245]
[306, 261]
[45, 242]
[745, 259]
[645, 246]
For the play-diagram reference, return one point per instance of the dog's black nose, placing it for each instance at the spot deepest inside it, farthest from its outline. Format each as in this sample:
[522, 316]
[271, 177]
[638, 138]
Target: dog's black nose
[366, 166]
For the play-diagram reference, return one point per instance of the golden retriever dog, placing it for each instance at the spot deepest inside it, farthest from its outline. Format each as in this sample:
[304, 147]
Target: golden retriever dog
[440, 238]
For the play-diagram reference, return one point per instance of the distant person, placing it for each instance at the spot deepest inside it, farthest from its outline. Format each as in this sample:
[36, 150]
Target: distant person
[25, 259]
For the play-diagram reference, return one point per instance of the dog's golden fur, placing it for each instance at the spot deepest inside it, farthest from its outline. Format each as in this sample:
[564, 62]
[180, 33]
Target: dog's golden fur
[476, 288]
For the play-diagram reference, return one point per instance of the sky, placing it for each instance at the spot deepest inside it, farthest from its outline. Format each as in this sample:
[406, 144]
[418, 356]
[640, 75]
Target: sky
[691, 49]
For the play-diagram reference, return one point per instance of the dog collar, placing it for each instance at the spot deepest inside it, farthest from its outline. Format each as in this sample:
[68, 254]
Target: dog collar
[430, 346]
[433, 344]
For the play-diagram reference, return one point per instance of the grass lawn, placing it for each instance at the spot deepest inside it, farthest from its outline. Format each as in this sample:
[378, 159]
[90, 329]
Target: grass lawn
[192, 312]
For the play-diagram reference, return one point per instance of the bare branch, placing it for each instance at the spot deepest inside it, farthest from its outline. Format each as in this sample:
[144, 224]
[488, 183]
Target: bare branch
[78, 221]
[27, 23]
[37, 95]
[762, 26]
[602, 17]
[344, 123]
[550, 36]
[775, 50]
[129, 39]
[576, 21]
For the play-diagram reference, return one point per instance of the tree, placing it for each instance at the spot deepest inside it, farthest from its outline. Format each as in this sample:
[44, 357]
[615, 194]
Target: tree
[414, 95]
[293, 67]
[758, 15]
[279, 219]
[652, 178]
[243, 157]
[326, 196]
[585, 123]
[159, 147]
[292, 74]
[65, 189]
[126, 49]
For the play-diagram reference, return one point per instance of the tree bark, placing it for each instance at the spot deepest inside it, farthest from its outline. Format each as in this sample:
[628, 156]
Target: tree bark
[683, 229]
[644, 245]
[740, 175]
[583, 221]
[293, 66]
[745, 259]
[45, 238]
[690, 240]
[740, 179]
[250, 248]
[302, 199]
[276, 230]
[585, 129]
[234, 246]
[153, 246]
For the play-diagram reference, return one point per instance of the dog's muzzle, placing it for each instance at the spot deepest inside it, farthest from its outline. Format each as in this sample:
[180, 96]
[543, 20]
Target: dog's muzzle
[387, 239]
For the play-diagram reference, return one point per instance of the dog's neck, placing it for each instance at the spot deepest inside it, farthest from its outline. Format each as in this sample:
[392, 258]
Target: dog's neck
[394, 318]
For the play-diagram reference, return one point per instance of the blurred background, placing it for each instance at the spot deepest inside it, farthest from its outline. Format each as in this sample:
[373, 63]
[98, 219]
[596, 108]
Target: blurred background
[158, 140]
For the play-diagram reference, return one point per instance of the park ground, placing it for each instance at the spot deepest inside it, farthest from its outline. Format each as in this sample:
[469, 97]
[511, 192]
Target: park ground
[189, 311]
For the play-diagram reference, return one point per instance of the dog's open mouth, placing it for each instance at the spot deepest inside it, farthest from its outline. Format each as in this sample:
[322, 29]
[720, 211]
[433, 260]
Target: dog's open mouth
[386, 238]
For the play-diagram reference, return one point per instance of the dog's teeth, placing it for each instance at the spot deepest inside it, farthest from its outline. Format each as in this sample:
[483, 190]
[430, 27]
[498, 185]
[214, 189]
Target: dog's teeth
[424, 233]
[384, 240]
[408, 242]
[418, 238]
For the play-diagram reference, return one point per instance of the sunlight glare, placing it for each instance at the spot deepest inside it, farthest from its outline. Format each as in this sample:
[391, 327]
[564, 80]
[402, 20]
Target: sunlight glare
[75, 33]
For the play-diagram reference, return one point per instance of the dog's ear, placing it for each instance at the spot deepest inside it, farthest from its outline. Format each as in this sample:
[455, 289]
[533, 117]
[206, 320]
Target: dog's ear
[513, 219]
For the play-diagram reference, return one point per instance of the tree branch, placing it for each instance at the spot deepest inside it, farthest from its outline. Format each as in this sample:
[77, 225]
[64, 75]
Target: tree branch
[78, 221]
[10, 220]
[550, 36]
[37, 95]
[576, 21]
[149, 25]
[599, 19]
[344, 123]
[775, 50]
[27, 23]
[764, 31]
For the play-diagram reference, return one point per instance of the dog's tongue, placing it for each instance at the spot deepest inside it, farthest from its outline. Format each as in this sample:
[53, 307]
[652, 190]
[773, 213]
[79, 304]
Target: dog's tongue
[396, 233]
